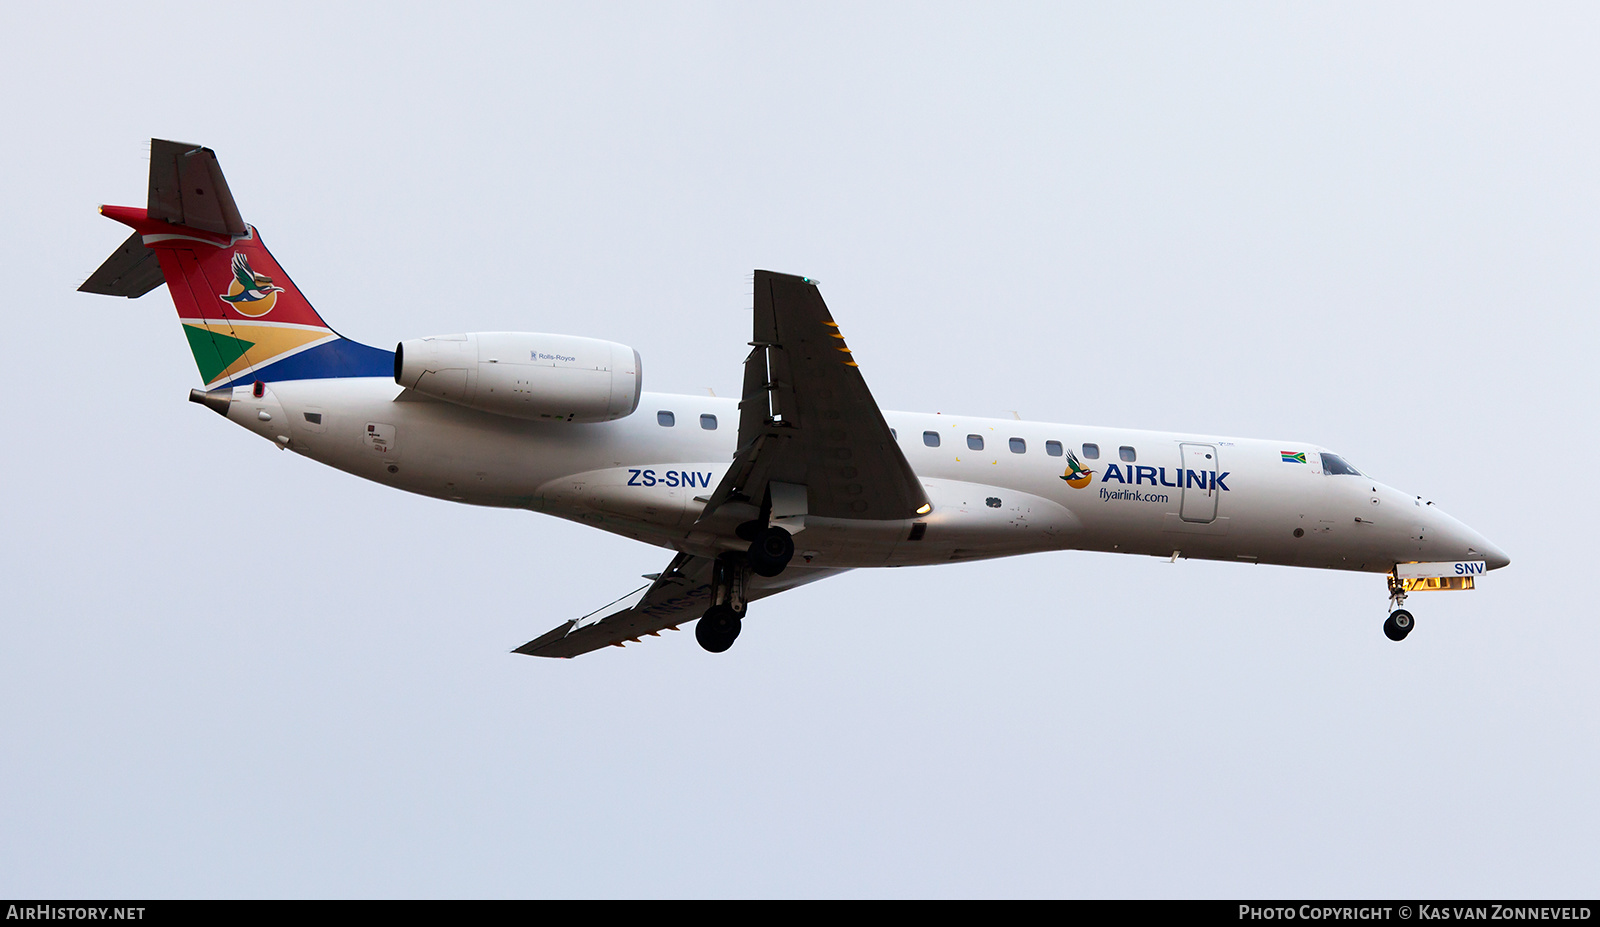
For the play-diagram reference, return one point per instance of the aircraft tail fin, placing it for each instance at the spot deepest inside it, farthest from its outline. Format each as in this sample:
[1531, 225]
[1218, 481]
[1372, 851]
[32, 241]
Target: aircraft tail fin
[244, 318]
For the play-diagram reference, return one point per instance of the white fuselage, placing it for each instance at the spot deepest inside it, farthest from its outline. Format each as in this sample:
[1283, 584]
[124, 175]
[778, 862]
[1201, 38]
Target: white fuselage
[640, 478]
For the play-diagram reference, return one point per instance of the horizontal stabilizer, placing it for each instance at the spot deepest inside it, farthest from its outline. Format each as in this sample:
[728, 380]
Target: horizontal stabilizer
[132, 271]
[187, 188]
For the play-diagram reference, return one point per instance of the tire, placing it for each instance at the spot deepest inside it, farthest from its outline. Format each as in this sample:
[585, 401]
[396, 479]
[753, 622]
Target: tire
[771, 552]
[1399, 624]
[717, 629]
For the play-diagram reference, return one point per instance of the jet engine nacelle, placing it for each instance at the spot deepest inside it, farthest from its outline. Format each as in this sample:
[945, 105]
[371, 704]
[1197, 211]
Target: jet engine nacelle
[524, 375]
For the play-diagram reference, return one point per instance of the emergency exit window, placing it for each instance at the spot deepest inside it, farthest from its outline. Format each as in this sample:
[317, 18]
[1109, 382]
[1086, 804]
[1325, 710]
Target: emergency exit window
[666, 419]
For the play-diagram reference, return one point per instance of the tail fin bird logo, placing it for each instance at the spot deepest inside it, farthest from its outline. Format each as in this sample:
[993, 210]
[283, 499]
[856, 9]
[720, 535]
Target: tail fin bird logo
[1076, 476]
[251, 294]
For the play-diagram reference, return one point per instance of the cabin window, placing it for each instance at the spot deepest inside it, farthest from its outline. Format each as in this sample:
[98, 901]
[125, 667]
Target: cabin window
[1091, 451]
[1334, 465]
[1127, 453]
[1053, 448]
[708, 422]
[930, 438]
[666, 419]
[1019, 446]
[975, 442]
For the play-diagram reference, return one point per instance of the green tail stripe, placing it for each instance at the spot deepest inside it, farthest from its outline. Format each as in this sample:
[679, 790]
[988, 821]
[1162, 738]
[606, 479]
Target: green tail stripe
[213, 352]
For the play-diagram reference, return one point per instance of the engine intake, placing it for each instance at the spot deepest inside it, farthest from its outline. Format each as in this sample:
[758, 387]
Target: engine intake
[524, 374]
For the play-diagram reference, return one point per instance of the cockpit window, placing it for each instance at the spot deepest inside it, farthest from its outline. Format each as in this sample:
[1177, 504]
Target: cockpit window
[1334, 465]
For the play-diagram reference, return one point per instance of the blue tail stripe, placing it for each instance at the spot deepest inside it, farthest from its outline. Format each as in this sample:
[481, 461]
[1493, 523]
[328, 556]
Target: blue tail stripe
[341, 358]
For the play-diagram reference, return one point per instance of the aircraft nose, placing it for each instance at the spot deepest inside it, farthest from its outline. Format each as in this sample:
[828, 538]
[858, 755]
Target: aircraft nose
[1479, 548]
[1462, 543]
[1494, 558]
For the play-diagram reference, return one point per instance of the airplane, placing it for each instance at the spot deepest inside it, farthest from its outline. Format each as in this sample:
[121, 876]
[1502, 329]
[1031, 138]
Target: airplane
[802, 477]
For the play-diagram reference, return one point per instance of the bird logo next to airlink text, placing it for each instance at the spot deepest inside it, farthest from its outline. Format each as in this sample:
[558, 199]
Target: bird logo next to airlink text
[1078, 477]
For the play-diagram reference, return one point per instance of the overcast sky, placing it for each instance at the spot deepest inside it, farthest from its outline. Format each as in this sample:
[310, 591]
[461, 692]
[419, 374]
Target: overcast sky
[226, 670]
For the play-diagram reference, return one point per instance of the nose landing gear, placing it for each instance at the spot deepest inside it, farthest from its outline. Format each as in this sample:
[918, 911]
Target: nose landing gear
[719, 627]
[1400, 622]
[1398, 625]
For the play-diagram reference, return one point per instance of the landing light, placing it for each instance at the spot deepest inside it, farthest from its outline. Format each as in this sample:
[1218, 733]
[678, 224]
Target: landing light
[1435, 583]
[926, 508]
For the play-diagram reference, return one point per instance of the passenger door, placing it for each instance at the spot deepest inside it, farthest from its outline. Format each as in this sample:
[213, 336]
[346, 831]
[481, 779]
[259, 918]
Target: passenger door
[1198, 478]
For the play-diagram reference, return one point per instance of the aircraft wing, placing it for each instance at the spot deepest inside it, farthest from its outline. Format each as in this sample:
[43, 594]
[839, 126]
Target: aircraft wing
[807, 419]
[679, 594]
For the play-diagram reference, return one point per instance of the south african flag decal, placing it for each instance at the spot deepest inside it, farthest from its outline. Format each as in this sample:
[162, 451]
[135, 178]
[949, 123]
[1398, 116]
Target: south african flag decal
[1293, 456]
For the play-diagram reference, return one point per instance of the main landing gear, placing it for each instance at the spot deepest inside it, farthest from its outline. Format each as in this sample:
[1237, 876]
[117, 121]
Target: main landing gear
[771, 551]
[1400, 622]
[719, 627]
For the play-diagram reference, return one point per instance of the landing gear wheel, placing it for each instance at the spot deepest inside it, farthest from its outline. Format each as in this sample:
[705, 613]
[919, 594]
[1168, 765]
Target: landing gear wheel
[771, 552]
[1399, 625]
[717, 629]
